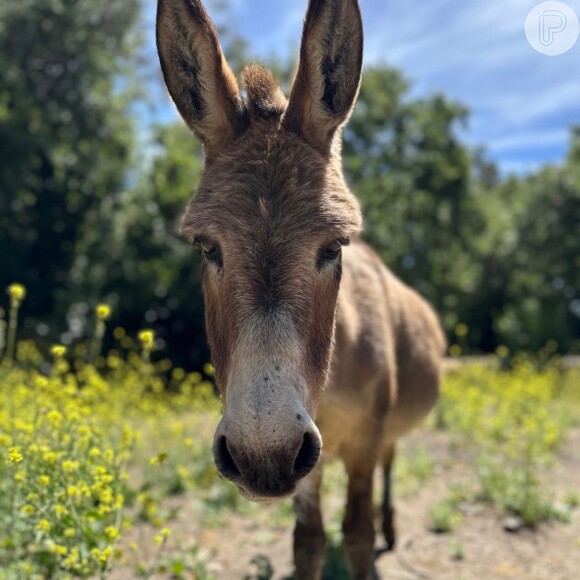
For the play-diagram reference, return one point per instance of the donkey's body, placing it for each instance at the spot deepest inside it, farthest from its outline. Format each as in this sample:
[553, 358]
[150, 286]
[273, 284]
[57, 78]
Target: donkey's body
[302, 326]
[384, 379]
[387, 354]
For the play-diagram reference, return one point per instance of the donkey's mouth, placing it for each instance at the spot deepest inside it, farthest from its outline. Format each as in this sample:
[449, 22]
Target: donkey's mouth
[265, 498]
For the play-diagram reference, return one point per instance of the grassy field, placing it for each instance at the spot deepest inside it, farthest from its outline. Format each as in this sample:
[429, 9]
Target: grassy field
[106, 471]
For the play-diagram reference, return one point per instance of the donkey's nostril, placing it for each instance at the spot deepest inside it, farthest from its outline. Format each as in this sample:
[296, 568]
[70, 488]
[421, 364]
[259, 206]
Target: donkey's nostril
[224, 460]
[307, 456]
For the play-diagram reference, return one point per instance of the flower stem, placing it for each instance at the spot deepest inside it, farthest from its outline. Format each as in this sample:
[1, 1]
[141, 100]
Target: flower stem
[12, 326]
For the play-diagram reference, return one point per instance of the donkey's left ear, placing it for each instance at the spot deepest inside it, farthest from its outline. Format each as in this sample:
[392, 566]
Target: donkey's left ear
[329, 71]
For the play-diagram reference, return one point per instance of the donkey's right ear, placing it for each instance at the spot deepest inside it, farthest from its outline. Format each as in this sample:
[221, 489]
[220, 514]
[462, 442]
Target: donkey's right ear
[196, 73]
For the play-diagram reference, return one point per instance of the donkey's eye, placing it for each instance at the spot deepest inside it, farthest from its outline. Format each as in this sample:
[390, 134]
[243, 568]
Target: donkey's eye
[332, 250]
[329, 253]
[210, 251]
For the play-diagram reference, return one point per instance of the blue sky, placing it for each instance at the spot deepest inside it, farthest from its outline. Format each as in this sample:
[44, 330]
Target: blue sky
[475, 51]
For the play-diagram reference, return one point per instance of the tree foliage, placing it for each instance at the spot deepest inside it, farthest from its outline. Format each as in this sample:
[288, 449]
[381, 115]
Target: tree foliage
[65, 136]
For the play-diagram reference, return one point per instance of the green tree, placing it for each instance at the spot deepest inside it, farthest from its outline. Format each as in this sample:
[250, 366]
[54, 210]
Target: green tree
[544, 288]
[65, 135]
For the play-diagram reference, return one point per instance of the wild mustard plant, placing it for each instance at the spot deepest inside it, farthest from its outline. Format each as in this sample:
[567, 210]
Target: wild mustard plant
[510, 420]
[61, 480]
[102, 314]
[16, 293]
[147, 340]
[67, 441]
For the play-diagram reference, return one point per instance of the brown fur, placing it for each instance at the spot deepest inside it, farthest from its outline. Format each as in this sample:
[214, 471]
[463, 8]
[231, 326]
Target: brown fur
[296, 332]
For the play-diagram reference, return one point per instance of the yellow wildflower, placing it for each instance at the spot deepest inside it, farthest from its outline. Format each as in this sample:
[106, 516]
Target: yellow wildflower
[72, 491]
[72, 558]
[50, 457]
[147, 339]
[60, 510]
[43, 526]
[43, 479]
[5, 440]
[103, 312]
[69, 465]
[54, 418]
[162, 536]
[106, 496]
[84, 431]
[41, 382]
[112, 533]
[101, 556]
[17, 293]
[27, 510]
[58, 549]
[14, 455]
[58, 351]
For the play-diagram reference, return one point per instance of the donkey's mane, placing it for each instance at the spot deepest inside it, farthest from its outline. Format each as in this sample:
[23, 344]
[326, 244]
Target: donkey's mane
[264, 98]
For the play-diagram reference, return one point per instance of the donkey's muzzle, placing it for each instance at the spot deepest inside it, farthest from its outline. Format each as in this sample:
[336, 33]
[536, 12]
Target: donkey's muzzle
[266, 465]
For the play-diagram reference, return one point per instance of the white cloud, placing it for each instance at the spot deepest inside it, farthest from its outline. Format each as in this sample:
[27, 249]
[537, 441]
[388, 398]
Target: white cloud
[526, 141]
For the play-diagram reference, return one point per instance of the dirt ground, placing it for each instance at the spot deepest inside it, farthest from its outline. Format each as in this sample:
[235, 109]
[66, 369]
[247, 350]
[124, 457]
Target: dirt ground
[477, 548]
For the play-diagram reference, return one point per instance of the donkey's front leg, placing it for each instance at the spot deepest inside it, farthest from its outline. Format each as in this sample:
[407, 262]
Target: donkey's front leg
[358, 525]
[309, 538]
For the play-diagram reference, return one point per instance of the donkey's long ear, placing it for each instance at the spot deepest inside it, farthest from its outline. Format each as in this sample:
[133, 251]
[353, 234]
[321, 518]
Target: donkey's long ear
[329, 71]
[198, 78]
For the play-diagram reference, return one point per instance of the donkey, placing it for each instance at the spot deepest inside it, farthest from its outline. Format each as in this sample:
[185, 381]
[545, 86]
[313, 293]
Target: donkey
[312, 338]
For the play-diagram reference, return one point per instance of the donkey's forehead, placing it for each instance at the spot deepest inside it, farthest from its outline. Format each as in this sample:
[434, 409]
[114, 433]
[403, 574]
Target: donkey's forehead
[271, 180]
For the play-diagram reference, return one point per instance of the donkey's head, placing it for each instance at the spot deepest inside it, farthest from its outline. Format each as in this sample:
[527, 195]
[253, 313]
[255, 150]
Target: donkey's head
[270, 216]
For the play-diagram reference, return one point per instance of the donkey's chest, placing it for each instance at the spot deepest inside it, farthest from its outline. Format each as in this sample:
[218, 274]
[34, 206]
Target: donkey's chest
[346, 420]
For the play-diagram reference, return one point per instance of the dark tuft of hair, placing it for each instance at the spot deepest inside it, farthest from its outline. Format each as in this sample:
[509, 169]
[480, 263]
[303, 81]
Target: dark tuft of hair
[265, 98]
